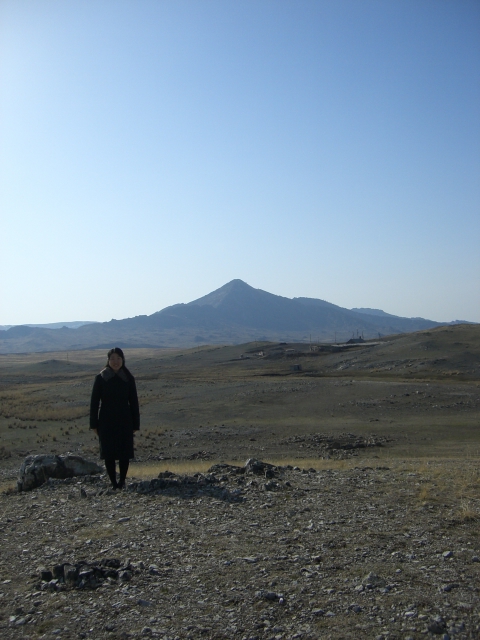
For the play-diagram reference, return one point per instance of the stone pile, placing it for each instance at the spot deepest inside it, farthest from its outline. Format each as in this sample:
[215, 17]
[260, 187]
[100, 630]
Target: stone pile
[86, 575]
[214, 482]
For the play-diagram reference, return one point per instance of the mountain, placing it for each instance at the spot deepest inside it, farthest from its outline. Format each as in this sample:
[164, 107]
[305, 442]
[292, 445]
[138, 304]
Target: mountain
[51, 325]
[235, 313]
[379, 312]
[372, 312]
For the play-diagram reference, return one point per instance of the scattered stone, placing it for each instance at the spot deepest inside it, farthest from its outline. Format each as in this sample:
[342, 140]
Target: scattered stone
[144, 603]
[190, 562]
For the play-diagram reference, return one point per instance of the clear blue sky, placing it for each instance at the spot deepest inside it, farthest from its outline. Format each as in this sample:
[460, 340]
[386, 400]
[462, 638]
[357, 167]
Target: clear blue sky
[151, 151]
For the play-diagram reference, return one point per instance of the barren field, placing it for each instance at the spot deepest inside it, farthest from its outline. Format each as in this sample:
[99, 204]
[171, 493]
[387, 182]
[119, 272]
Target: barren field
[368, 528]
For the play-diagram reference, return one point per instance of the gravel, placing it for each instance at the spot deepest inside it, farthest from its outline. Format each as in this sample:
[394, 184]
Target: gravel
[289, 554]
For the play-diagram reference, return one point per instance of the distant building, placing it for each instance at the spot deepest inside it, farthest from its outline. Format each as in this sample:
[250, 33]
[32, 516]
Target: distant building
[355, 341]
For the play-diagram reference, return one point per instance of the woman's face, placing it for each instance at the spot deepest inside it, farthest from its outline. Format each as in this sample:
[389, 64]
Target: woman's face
[115, 362]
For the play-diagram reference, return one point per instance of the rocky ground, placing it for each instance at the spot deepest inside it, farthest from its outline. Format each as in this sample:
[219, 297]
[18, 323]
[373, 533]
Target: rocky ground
[358, 552]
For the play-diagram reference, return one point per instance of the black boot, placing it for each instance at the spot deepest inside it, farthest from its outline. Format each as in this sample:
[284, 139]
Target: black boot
[110, 467]
[123, 465]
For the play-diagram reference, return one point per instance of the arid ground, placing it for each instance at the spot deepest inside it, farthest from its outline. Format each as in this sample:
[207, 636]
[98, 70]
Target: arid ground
[368, 529]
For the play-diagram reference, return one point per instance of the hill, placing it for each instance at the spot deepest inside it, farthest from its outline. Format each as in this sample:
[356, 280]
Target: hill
[366, 527]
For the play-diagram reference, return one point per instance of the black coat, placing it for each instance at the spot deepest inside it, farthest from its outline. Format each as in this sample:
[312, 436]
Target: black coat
[119, 416]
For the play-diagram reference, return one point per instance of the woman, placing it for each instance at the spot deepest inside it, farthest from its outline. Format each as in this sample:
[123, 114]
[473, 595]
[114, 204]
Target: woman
[114, 391]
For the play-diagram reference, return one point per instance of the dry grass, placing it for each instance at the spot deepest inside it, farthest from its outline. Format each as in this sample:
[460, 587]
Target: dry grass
[467, 489]
[210, 401]
[467, 511]
[102, 532]
[32, 402]
[189, 467]
[319, 464]
[442, 481]
[8, 488]
[425, 494]
[4, 453]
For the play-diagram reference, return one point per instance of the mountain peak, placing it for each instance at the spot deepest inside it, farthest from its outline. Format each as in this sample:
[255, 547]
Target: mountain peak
[215, 298]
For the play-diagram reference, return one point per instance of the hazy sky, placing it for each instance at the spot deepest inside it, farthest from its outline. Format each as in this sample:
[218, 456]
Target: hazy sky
[151, 151]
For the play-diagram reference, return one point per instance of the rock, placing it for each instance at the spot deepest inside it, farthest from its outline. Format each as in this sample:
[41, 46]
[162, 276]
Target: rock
[270, 486]
[36, 470]
[448, 587]
[437, 625]
[126, 576]
[45, 574]
[373, 581]
[58, 571]
[70, 574]
[267, 595]
[259, 468]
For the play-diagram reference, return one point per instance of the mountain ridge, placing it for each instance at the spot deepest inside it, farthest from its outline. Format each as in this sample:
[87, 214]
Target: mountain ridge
[232, 314]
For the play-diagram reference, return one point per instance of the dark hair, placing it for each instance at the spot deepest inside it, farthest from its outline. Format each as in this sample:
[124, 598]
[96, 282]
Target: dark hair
[119, 352]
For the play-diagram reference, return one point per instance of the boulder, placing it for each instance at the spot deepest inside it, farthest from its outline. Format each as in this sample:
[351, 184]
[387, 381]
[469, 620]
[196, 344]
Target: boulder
[36, 470]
